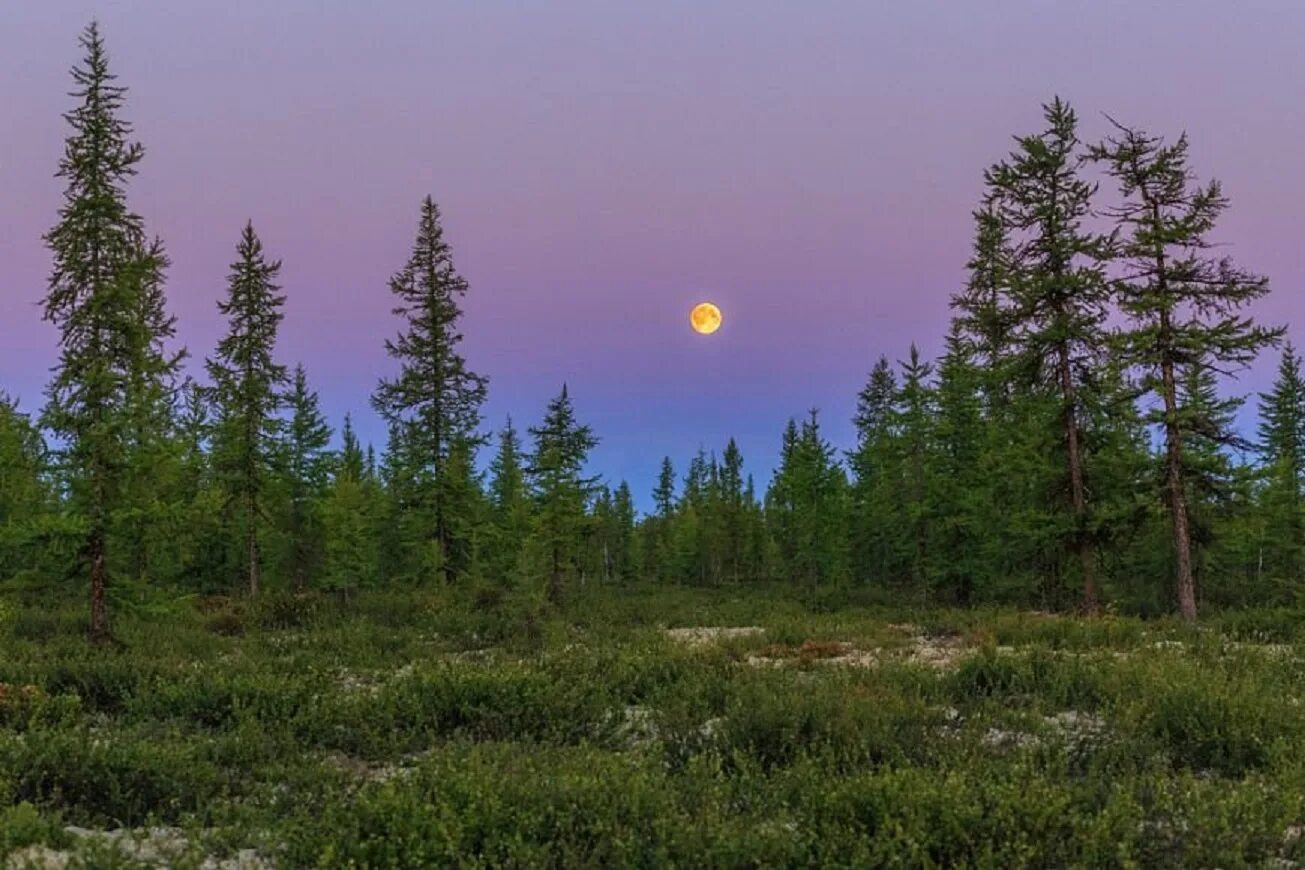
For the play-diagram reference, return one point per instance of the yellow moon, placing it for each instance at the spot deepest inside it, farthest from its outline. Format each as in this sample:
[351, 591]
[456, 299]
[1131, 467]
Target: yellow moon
[705, 318]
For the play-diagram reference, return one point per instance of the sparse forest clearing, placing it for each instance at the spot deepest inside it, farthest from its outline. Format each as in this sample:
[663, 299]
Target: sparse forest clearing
[646, 727]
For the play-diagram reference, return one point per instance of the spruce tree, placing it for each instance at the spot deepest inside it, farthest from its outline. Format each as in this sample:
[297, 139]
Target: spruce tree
[625, 555]
[307, 469]
[957, 490]
[247, 387]
[1058, 295]
[660, 524]
[434, 402]
[509, 504]
[350, 516]
[1282, 451]
[105, 297]
[1185, 306]
[560, 488]
[874, 494]
[24, 495]
[913, 415]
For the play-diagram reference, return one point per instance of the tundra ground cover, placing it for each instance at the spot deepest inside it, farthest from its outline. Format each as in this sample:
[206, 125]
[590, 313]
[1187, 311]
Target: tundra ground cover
[645, 727]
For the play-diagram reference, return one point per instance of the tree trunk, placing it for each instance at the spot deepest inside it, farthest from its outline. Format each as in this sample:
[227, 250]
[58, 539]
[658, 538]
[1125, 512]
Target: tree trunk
[251, 543]
[1178, 498]
[99, 631]
[1077, 490]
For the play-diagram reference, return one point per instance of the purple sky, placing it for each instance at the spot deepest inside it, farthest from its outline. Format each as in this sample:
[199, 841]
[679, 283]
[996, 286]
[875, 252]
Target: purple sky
[810, 167]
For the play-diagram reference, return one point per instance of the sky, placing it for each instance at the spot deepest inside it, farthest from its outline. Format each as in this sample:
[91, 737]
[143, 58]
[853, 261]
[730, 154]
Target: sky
[601, 167]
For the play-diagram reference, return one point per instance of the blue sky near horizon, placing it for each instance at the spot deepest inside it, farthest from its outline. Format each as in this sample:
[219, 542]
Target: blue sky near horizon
[809, 167]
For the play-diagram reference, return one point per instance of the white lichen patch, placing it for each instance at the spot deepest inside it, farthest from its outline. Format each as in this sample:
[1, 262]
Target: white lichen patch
[149, 847]
[703, 635]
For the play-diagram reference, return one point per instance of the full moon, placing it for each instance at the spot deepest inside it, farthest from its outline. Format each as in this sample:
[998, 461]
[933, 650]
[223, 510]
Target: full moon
[705, 318]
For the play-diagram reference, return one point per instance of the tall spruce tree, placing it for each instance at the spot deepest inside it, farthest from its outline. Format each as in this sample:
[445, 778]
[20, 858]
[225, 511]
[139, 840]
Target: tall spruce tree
[434, 402]
[1282, 451]
[105, 297]
[247, 387]
[307, 469]
[1185, 305]
[1058, 294]
[560, 488]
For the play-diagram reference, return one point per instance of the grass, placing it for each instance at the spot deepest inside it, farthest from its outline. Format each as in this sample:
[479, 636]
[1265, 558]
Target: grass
[415, 729]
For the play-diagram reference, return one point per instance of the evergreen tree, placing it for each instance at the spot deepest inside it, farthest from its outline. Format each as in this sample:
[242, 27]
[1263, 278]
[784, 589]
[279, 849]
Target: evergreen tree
[1213, 483]
[509, 503]
[734, 514]
[247, 389]
[105, 297]
[307, 467]
[874, 493]
[1185, 306]
[913, 421]
[1058, 294]
[625, 555]
[1282, 450]
[807, 506]
[658, 548]
[350, 517]
[561, 491]
[434, 402]
[23, 493]
[956, 486]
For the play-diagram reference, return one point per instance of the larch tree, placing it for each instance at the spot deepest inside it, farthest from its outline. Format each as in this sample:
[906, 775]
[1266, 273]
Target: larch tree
[1059, 296]
[561, 489]
[434, 402]
[248, 393]
[105, 297]
[1185, 306]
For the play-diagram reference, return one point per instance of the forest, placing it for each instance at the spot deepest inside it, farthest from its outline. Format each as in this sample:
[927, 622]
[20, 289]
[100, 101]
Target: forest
[1075, 447]
[972, 639]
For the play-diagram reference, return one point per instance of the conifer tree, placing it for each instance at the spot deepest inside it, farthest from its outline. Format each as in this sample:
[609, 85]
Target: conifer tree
[1185, 306]
[956, 485]
[1282, 451]
[350, 517]
[807, 506]
[23, 492]
[509, 503]
[1058, 294]
[105, 297]
[1213, 482]
[247, 387]
[307, 467]
[434, 403]
[734, 513]
[913, 421]
[874, 493]
[658, 548]
[625, 555]
[561, 490]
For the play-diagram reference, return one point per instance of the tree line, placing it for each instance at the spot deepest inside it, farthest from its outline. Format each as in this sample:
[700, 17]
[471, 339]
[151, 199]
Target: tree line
[1070, 448]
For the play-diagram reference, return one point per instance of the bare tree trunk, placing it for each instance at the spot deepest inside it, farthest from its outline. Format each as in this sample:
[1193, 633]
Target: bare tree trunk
[1178, 498]
[1077, 489]
[99, 631]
